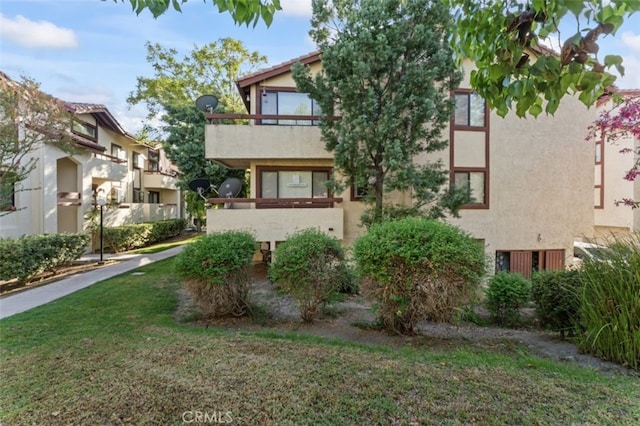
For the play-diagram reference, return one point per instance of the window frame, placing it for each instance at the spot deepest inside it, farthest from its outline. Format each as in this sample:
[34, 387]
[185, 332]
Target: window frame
[468, 93]
[153, 161]
[259, 180]
[453, 128]
[153, 197]
[79, 128]
[266, 90]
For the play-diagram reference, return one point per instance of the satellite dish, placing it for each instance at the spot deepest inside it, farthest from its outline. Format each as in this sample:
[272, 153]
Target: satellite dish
[207, 103]
[230, 188]
[200, 186]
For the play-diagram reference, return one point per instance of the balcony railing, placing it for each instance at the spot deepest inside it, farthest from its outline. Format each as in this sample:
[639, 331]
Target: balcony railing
[258, 118]
[280, 202]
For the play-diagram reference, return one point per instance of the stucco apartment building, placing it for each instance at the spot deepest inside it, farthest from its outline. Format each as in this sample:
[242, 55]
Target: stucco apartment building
[136, 179]
[532, 179]
[610, 187]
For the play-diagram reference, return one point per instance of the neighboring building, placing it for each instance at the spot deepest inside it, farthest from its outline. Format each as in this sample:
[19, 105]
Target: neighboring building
[137, 180]
[531, 178]
[611, 165]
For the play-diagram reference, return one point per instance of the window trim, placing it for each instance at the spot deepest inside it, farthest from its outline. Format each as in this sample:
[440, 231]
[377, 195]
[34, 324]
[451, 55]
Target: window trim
[453, 128]
[277, 89]
[86, 125]
[600, 163]
[261, 169]
[469, 127]
[151, 161]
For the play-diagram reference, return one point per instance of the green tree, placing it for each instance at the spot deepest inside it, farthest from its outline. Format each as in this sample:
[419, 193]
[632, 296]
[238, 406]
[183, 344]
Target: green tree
[504, 40]
[184, 146]
[210, 69]
[170, 96]
[29, 119]
[387, 71]
[242, 11]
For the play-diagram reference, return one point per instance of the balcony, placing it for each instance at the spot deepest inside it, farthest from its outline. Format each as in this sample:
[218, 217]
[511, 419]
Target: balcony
[278, 223]
[159, 180]
[236, 145]
[107, 167]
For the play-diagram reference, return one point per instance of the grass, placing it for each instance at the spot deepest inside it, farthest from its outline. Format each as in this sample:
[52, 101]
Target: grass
[166, 245]
[113, 354]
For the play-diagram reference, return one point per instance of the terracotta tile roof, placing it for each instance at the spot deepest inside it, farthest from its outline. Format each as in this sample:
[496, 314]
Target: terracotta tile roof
[101, 114]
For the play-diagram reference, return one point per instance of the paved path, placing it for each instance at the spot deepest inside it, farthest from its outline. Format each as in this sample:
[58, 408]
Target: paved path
[28, 299]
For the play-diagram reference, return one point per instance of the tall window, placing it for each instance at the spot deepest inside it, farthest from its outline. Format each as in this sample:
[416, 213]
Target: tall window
[288, 103]
[154, 161]
[469, 148]
[598, 188]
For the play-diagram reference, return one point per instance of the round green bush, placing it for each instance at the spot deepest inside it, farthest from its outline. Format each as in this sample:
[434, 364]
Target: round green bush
[557, 298]
[417, 269]
[309, 265]
[505, 295]
[216, 270]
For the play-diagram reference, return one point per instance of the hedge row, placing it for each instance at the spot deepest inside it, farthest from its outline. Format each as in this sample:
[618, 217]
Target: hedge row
[27, 256]
[129, 237]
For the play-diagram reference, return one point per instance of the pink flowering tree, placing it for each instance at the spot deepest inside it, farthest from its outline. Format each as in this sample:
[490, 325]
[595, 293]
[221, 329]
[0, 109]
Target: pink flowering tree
[621, 121]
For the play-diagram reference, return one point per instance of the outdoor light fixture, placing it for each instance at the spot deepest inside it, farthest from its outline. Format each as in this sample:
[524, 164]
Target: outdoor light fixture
[101, 201]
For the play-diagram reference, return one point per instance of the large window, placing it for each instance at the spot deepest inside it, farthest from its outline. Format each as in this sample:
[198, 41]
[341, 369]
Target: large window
[470, 110]
[290, 183]
[288, 103]
[84, 129]
[154, 161]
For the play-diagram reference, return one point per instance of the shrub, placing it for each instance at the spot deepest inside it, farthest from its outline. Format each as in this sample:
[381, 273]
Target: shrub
[505, 295]
[27, 256]
[216, 270]
[610, 303]
[418, 269]
[557, 298]
[130, 237]
[389, 212]
[309, 266]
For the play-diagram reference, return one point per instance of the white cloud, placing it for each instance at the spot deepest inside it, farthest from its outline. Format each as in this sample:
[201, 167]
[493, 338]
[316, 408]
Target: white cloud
[631, 40]
[296, 7]
[631, 79]
[27, 33]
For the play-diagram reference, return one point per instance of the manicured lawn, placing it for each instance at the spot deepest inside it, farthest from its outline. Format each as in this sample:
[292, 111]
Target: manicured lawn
[113, 354]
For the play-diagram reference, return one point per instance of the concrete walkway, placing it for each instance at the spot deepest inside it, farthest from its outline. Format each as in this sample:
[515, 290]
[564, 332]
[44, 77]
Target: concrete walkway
[28, 299]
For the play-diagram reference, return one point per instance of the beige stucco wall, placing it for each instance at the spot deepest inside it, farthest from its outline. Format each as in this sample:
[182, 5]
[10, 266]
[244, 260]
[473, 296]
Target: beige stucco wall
[612, 218]
[541, 177]
[541, 182]
[57, 171]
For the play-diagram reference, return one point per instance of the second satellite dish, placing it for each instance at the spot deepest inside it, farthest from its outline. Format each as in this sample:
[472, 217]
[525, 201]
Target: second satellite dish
[230, 188]
[207, 103]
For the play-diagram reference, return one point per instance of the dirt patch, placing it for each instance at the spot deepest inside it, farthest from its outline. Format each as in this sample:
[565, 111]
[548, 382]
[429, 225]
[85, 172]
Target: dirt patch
[353, 320]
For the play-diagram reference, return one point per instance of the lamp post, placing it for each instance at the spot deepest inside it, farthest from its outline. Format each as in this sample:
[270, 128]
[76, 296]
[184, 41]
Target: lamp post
[101, 202]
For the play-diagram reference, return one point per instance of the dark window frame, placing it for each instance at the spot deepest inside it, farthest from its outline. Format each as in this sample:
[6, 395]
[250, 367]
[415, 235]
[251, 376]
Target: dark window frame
[266, 90]
[82, 127]
[261, 169]
[453, 128]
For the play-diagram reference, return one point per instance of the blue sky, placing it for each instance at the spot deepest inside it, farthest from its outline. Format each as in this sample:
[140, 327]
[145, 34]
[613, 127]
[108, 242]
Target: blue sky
[93, 50]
